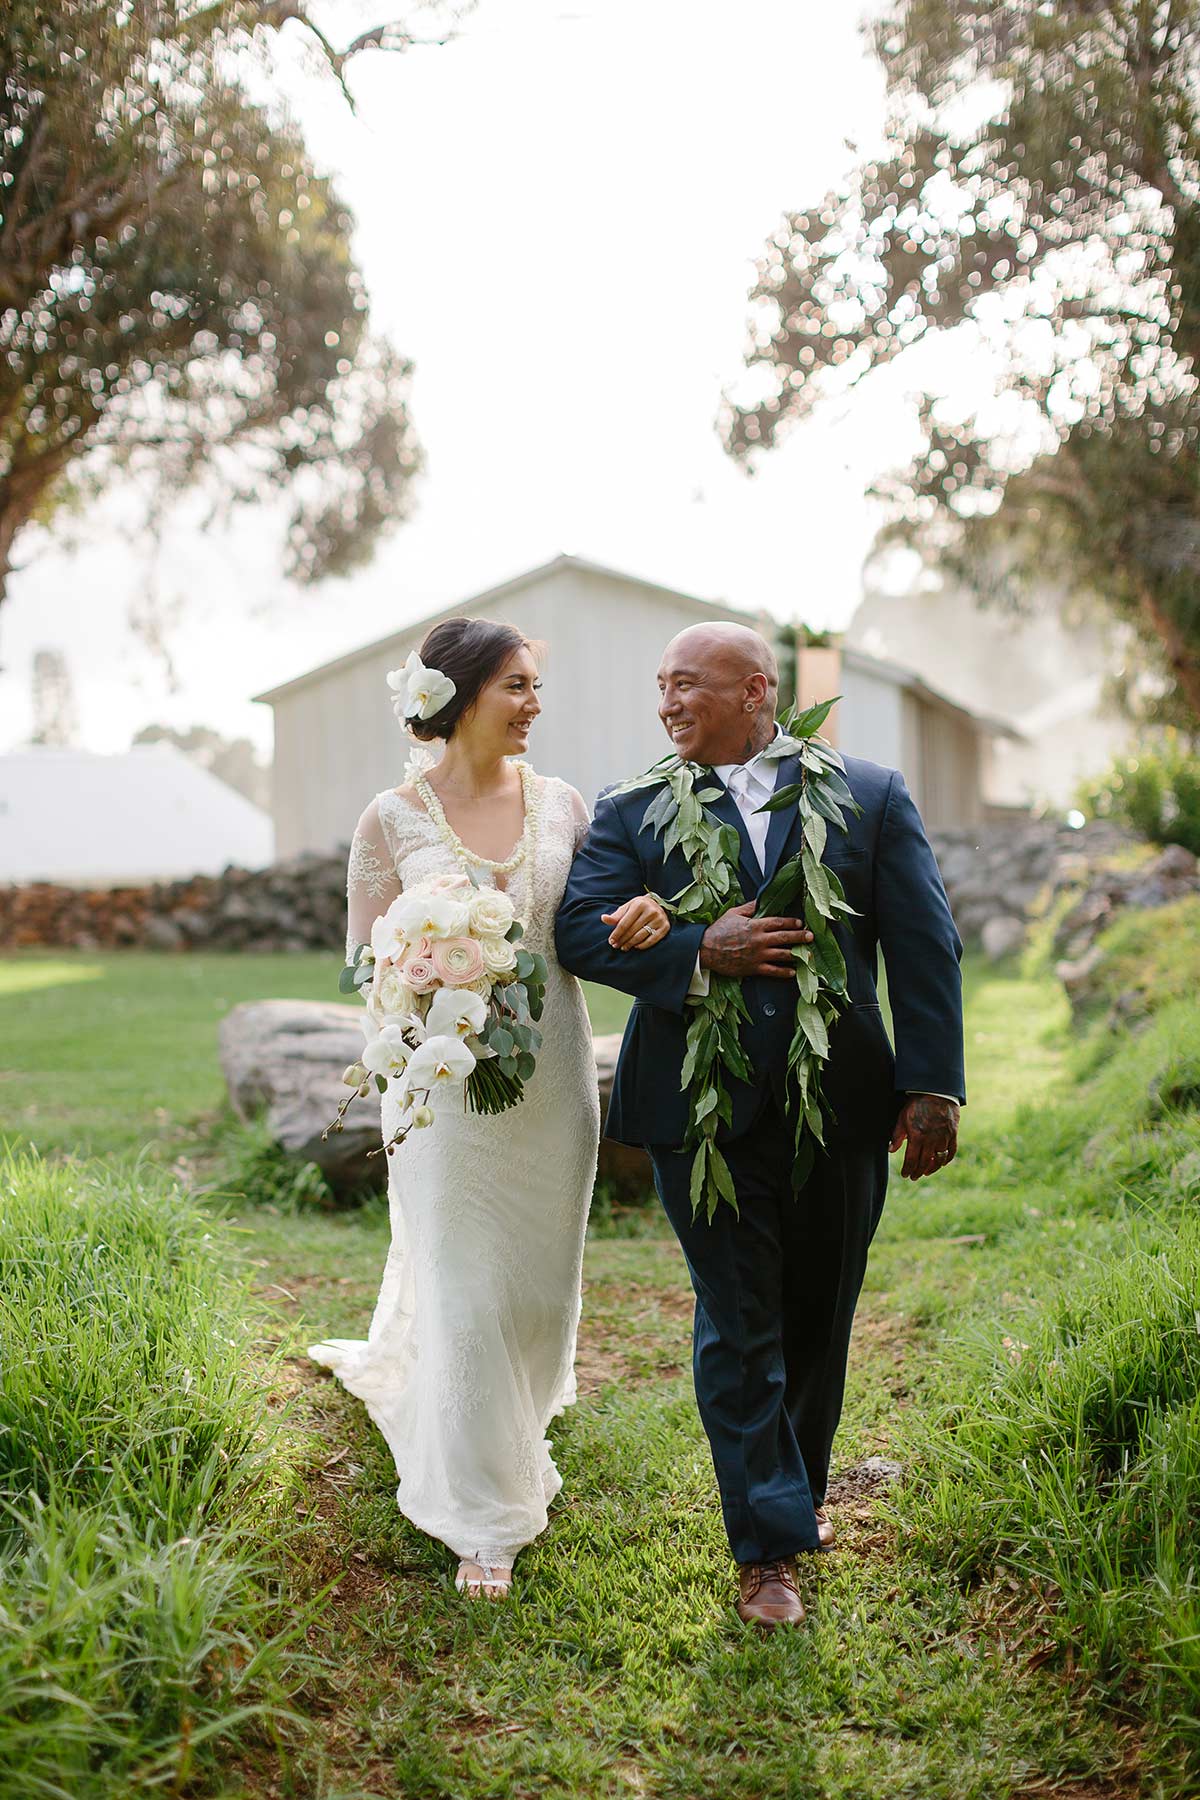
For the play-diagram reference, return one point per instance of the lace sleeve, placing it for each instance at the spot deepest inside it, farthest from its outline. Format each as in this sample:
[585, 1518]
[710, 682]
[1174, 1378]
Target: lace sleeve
[371, 880]
[580, 816]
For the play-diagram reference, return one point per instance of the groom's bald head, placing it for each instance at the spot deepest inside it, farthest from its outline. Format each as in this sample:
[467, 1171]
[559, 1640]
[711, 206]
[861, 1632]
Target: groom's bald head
[718, 686]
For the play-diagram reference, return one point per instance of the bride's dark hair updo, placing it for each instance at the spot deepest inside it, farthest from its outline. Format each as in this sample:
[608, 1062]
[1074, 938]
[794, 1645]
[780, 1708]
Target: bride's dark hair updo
[470, 652]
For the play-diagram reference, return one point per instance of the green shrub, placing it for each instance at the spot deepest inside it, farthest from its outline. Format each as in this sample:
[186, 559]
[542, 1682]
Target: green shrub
[1156, 793]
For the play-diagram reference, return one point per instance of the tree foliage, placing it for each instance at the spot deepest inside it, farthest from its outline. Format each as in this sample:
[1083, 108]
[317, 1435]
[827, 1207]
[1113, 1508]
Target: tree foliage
[235, 761]
[177, 289]
[1040, 192]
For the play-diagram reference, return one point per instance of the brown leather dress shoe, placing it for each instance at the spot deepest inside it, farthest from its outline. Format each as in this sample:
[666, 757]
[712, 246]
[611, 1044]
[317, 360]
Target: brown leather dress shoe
[768, 1595]
[825, 1529]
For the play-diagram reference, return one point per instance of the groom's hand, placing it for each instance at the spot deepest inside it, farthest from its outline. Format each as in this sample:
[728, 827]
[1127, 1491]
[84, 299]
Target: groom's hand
[739, 944]
[928, 1127]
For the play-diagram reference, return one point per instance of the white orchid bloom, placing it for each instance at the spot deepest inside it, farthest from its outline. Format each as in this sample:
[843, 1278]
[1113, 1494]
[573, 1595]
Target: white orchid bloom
[456, 1012]
[388, 1054]
[440, 1062]
[419, 692]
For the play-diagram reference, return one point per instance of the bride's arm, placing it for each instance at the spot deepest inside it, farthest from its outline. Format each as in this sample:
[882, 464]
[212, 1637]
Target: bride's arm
[640, 922]
[607, 870]
[371, 880]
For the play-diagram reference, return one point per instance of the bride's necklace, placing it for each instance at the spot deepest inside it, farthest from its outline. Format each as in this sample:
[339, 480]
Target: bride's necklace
[526, 844]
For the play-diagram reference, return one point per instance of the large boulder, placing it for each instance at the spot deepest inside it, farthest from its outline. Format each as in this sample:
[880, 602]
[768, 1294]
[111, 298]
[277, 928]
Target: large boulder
[626, 1167]
[285, 1058]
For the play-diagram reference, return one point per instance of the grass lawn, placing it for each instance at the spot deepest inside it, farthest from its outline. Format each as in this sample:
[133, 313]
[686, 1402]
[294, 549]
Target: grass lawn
[619, 1669]
[109, 1051]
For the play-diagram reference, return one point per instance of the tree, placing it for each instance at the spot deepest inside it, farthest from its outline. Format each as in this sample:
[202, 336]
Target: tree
[234, 761]
[177, 291]
[1040, 194]
[55, 716]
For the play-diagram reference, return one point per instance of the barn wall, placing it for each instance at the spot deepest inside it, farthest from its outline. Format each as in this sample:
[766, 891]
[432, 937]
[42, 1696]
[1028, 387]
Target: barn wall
[337, 743]
[949, 757]
[870, 724]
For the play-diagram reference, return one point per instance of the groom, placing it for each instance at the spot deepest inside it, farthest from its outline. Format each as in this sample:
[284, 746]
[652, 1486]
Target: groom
[776, 1283]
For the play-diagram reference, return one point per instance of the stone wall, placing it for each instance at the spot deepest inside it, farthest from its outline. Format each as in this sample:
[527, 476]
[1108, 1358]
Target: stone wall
[992, 873]
[297, 905]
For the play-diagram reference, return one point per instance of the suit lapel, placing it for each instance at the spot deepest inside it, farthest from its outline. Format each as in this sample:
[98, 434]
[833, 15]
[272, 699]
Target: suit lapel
[727, 810]
[785, 824]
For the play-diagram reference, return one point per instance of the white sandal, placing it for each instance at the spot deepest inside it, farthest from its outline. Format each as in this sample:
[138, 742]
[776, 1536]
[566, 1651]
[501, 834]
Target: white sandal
[492, 1581]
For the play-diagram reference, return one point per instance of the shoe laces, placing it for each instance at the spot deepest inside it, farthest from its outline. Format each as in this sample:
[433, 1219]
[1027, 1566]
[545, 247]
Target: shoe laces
[772, 1571]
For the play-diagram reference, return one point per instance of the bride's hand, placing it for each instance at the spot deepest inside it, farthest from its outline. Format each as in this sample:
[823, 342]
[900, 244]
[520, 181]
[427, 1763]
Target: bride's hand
[637, 925]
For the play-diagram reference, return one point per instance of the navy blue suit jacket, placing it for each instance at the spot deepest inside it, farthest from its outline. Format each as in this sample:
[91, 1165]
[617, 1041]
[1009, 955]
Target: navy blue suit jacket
[891, 878]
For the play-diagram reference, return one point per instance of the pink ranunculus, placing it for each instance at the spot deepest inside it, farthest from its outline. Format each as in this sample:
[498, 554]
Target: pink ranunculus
[457, 961]
[420, 974]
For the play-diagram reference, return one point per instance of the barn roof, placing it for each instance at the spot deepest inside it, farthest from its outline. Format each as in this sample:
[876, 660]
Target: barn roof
[715, 609]
[146, 814]
[895, 673]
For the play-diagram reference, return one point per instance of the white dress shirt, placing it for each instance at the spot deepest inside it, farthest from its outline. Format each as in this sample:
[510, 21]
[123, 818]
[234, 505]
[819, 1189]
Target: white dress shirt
[749, 783]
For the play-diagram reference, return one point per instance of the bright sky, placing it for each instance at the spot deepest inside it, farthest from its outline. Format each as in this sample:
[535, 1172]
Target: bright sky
[558, 217]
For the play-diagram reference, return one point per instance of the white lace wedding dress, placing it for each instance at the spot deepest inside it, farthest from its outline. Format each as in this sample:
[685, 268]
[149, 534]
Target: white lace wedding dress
[471, 1347]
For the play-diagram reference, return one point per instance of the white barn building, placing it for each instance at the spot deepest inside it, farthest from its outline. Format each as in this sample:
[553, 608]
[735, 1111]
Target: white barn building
[82, 819]
[337, 743]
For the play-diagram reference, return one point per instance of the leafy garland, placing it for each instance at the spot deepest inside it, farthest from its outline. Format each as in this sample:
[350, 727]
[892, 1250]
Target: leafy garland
[802, 888]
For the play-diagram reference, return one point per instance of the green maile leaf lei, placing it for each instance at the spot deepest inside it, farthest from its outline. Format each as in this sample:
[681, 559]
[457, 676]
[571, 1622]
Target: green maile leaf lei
[802, 888]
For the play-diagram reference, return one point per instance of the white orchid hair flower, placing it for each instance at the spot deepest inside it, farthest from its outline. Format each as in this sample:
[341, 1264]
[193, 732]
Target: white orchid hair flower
[418, 692]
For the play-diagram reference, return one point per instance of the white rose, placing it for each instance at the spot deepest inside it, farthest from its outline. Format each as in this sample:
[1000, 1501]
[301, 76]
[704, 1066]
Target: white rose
[440, 1062]
[456, 1012]
[492, 912]
[499, 956]
[393, 996]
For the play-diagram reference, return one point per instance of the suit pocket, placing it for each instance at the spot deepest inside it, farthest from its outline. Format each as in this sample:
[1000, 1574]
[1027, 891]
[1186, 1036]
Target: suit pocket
[844, 858]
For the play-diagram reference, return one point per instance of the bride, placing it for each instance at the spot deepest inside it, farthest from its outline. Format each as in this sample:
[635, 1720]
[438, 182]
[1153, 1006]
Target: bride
[471, 1347]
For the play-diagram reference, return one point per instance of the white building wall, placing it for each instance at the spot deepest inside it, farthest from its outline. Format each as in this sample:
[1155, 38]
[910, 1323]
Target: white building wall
[871, 719]
[337, 743]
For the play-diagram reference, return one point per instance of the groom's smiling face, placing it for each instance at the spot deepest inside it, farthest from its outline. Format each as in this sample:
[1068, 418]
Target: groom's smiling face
[717, 688]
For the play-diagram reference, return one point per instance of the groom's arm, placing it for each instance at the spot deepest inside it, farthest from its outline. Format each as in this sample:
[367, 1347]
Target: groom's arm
[606, 872]
[921, 950]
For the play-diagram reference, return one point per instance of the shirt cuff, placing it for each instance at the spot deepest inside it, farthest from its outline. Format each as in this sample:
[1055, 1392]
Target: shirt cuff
[917, 1092]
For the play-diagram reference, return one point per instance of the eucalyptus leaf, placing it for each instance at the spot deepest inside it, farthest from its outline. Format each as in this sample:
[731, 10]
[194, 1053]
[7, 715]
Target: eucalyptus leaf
[807, 724]
[811, 1023]
[817, 877]
[782, 797]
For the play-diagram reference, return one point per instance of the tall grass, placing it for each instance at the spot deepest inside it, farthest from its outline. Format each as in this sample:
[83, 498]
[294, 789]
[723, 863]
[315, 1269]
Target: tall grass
[142, 1491]
[1059, 1441]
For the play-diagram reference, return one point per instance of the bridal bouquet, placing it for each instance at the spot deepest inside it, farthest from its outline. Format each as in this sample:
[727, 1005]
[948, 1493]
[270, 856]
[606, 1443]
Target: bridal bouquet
[452, 999]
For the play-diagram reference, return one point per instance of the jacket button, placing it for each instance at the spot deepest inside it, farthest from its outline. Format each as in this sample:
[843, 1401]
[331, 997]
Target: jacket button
[768, 1012]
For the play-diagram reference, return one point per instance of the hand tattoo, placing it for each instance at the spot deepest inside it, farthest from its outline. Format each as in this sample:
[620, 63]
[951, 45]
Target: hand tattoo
[739, 944]
[928, 1128]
